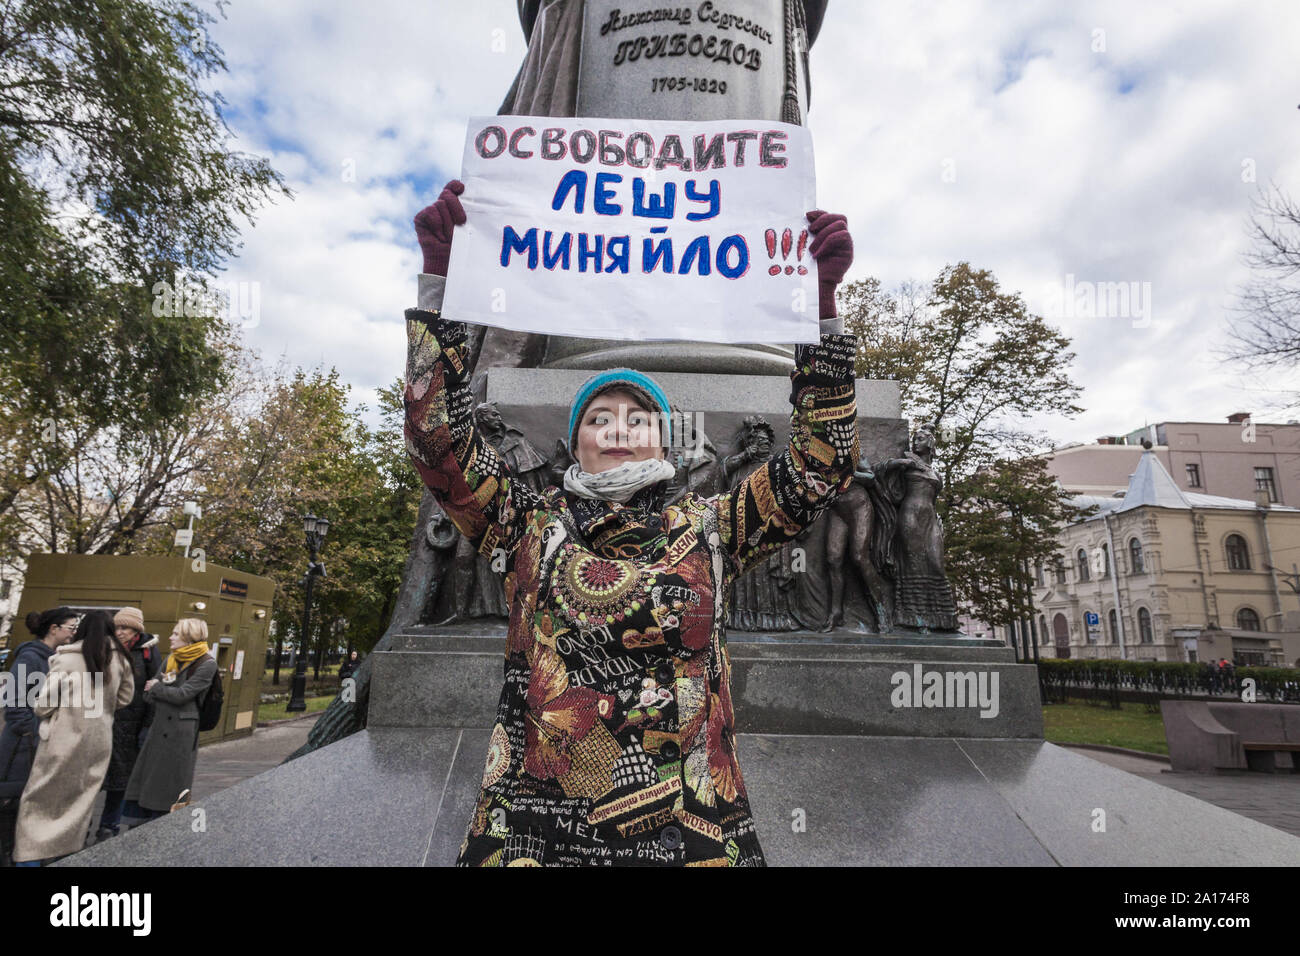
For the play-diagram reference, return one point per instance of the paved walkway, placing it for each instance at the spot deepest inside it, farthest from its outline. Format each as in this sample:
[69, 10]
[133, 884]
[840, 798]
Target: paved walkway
[225, 764]
[1269, 798]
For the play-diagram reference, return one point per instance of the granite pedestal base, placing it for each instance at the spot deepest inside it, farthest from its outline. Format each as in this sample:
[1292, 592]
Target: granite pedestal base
[949, 791]
[843, 683]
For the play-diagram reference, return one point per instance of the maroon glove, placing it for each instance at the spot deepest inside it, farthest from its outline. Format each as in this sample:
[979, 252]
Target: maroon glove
[832, 250]
[434, 224]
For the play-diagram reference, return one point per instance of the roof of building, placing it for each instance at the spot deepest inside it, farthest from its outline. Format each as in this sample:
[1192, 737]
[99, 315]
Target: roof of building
[1102, 502]
[1150, 486]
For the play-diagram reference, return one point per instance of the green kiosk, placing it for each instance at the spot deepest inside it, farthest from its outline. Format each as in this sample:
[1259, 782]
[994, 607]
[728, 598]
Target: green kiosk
[236, 605]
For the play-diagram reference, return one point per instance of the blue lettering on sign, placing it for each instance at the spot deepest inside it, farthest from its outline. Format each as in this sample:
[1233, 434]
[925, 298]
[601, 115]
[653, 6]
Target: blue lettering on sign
[701, 255]
[658, 207]
[713, 197]
[603, 204]
[512, 241]
[646, 204]
[575, 181]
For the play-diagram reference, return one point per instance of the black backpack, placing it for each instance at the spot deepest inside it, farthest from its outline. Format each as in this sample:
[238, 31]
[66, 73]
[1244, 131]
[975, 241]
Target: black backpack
[210, 702]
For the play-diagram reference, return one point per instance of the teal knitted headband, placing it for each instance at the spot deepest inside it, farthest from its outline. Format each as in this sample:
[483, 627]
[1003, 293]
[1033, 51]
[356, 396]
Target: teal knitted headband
[603, 381]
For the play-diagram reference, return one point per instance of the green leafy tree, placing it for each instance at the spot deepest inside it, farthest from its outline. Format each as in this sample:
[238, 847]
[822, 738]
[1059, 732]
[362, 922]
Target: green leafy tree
[972, 361]
[115, 172]
[298, 447]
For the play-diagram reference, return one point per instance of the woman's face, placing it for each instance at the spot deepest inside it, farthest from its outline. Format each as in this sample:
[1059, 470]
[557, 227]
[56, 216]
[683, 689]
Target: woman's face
[62, 633]
[178, 639]
[125, 634]
[617, 428]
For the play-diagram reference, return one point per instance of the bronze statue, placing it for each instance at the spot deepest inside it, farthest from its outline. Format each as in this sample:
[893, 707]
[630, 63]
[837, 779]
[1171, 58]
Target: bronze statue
[762, 599]
[910, 545]
[479, 589]
[697, 460]
[851, 523]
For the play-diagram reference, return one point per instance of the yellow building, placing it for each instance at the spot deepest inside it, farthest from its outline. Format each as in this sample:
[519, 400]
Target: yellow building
[1159, 573]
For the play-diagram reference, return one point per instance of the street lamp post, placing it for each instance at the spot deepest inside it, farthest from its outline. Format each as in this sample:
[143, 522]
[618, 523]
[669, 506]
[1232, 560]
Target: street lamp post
[316, 529]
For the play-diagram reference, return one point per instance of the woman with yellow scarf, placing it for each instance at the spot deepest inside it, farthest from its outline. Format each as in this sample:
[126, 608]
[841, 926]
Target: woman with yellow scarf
[165, 767]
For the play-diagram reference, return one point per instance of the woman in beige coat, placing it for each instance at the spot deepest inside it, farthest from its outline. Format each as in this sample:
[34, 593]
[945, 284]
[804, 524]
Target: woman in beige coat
[89, 679]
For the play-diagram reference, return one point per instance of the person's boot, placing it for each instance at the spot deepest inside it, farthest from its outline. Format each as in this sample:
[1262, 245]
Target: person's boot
[106, 833]
[8, 823]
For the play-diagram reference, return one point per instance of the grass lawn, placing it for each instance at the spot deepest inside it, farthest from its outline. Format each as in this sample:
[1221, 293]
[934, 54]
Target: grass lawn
[1130, 727]
[278, 709]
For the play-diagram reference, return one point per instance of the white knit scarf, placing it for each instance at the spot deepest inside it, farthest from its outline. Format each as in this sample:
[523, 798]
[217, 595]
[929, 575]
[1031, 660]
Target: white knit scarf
[620, 482]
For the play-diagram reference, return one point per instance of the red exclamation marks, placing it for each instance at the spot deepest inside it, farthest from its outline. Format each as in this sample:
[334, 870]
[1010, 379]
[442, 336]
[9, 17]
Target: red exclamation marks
[787, 242]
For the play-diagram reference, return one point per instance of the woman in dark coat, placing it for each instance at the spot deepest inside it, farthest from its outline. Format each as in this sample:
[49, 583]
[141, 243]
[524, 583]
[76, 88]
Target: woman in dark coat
[614, 740]
[131, 722]
[19, 739]
[165, 767]
[348, 667]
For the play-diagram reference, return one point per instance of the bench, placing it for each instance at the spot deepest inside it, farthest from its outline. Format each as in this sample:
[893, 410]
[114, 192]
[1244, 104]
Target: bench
[1272, 756]
[1206, 736]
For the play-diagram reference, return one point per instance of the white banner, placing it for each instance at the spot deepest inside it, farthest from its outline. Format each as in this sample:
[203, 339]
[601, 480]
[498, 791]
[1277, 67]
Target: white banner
[637, 230]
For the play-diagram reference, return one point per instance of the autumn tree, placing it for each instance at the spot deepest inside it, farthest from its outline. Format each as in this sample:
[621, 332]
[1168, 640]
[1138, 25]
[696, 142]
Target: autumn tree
[116, 171]
[976, 364]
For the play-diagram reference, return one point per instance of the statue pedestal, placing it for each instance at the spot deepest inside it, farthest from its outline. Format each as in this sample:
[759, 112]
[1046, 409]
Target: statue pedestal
[796, 683]
[401, 792]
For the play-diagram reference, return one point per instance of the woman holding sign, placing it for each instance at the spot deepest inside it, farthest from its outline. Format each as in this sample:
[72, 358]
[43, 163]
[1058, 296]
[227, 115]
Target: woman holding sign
[614, 739]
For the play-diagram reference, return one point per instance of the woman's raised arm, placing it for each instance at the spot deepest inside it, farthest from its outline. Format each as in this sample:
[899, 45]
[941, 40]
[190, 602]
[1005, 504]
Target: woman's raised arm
[787, 493]
[470, 481]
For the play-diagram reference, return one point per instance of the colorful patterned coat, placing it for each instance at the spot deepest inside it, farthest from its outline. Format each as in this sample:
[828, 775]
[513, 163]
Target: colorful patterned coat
[614, 739]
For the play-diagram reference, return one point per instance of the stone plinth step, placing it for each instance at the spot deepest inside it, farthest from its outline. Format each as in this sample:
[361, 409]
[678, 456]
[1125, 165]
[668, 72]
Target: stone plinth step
[952, 687]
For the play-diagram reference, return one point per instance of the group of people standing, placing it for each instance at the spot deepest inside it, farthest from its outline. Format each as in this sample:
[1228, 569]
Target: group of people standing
[96, 706]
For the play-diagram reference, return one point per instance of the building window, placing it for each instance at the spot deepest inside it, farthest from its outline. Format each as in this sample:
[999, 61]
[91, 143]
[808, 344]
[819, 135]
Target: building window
[1038, 574]
[1105, 560]
[1082, 558]
[1060, 570]
[1193, 476]
[1144, 626]
[1238, 553]
[1247, 619]
[1135, 556]
[1264, 482]
[1112, 619]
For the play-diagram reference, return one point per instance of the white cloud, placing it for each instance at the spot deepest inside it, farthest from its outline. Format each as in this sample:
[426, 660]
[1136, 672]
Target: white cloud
[1057, 171]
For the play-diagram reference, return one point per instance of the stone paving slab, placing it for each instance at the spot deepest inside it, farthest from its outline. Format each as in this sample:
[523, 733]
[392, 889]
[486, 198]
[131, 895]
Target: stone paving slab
[1272, 799]
[1062, 796]
[368, 800]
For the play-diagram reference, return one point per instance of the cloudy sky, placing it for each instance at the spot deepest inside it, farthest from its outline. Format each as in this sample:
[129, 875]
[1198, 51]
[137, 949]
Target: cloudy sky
[1103, 141]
